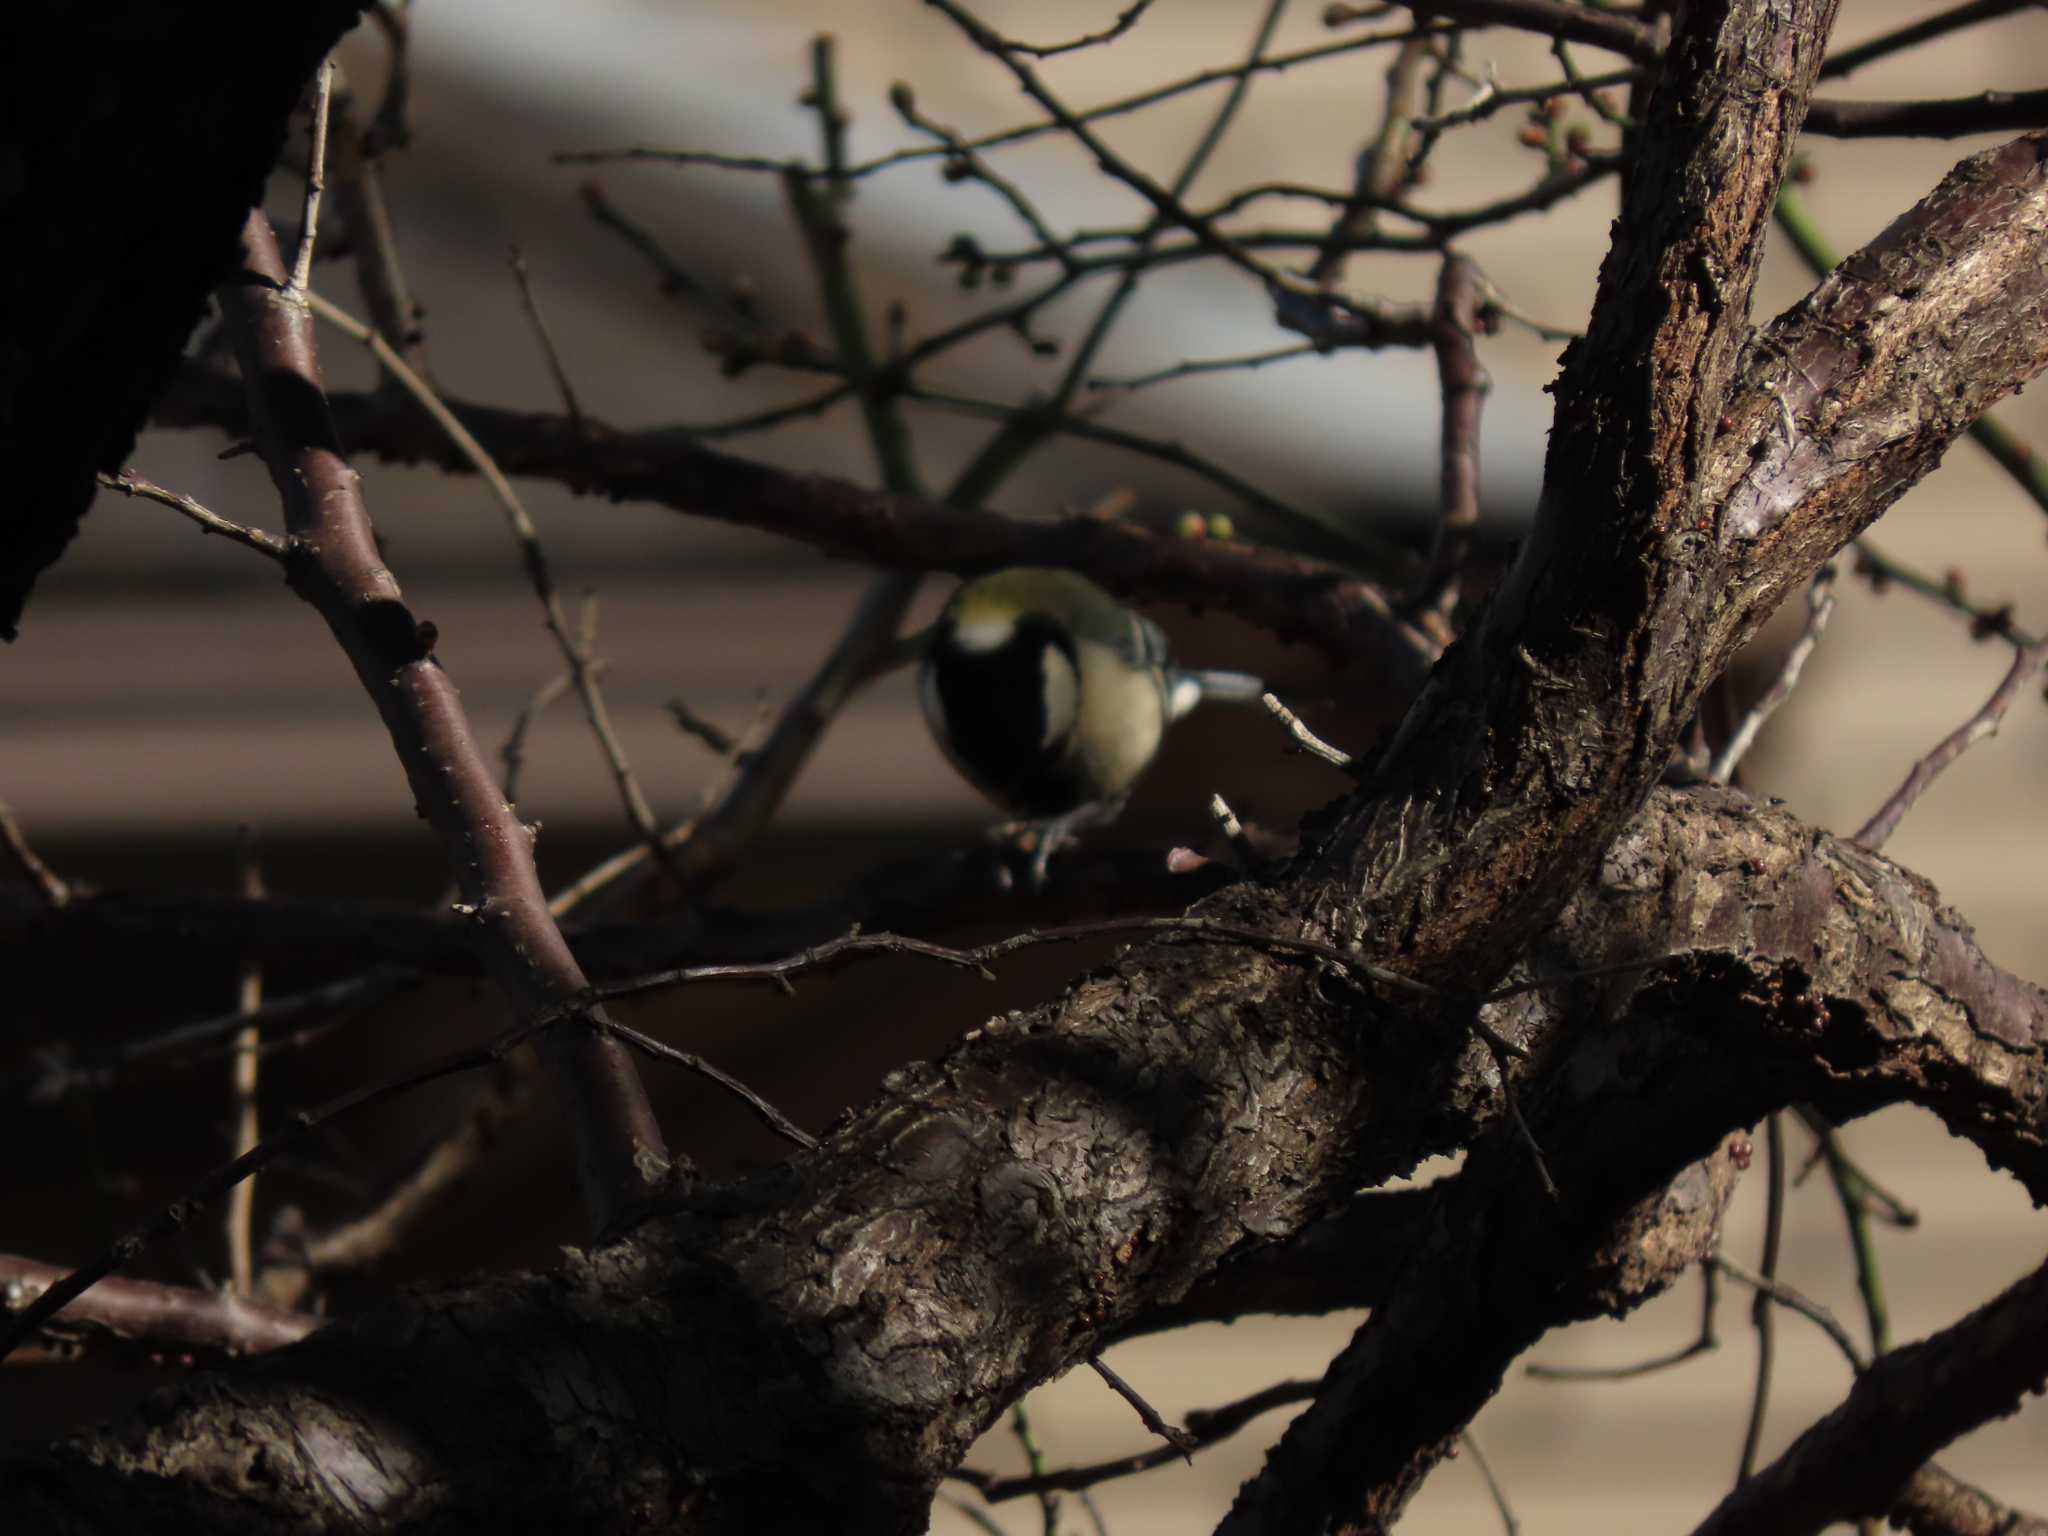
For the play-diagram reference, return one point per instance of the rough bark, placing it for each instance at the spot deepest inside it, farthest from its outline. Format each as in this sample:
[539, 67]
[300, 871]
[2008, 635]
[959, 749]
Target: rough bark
[825, 1340]
[833, 1334]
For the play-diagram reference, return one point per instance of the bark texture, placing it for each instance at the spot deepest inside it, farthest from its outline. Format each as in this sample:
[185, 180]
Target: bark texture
[822, 1343]
[833, 1334]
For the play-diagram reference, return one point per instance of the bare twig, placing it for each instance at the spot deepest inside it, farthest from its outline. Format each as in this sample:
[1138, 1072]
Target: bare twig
[1874, 1197]
[765, 1112]
[1149, 1416]
[357, 193]
[128, 483]
[1846, 60]
[513, 753]
[2025, 663]
[447, 1162]
[1903, 1408]
[1853, 1195]
[241, 1211]
[316, 182]
[60, 1293]
[583, 667]
[1705, 1342]
[1232, 829]
[1193, 367]
[1205, 1427]
[1308, 740]
[1499, 99]
[1770, 1289]
[1125, 20]
[1956, 117]
[1266, 64]
[60, 1076]
[531, 302]
[159, 1319]
[336, 564]
[54, 890]
[1469, 1442]
[1454, 322]
[1552, 18]
[1383, 166]
[1761, 1317]
[1820, 607]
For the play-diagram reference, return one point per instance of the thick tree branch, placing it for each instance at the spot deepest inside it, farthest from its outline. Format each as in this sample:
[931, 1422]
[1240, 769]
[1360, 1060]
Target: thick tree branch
[1860, 1460]
[993, 1218]
[335, 565]
[1295, 597]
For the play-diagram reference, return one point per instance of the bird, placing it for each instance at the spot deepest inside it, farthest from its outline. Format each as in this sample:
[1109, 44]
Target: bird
[1052, 698]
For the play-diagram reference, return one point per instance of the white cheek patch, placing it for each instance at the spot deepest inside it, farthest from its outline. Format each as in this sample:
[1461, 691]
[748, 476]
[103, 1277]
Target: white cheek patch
[1062, 695]
[982, 635]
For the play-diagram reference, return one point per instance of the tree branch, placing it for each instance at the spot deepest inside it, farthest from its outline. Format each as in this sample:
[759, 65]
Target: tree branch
[156, 1319]
[1860, 1460]
[1297, 598]
[335, 565]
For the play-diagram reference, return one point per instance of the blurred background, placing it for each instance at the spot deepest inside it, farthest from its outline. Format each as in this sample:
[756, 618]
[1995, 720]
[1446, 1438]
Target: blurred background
[167, 690]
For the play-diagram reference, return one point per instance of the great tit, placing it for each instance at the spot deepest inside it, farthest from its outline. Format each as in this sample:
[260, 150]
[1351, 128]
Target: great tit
[1051, 697]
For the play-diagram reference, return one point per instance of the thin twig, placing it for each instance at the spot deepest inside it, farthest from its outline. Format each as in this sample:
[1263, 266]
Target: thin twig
[358, 196]
[241, 1213]
[316, 182]
[1205, 1426]
[1847, 60]
[1149, 1416]
[1193, 367]
[583, 667]
[1309, 741]
[1705, 1342]
[128, 483]
[1383, 166]
[531, 302]
[1500, 1049]
[1500, 1495]
[1034, 1461]
[767, 1113]
[1820, 607]
[1125, 20]
[513, 753]
[577, 1014]
[1770, 1289]
[1852, 1194]
[1464, 383]
[1761, 1317]
[1232, 829]
[1879, 1201]
[51, 886]
[447, 1162]
[1500, 98]
[59, 1076]
[175, 1216]
[2025, 663]
[1271, 63]
[1167, 204]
